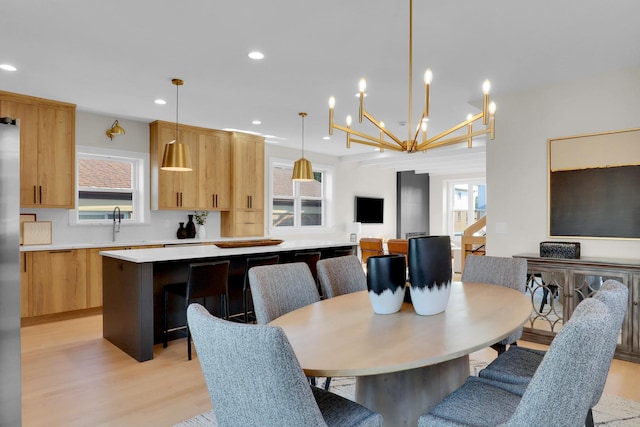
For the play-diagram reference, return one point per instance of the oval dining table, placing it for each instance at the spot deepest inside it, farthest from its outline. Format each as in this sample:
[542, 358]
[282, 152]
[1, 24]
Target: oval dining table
[403, 363]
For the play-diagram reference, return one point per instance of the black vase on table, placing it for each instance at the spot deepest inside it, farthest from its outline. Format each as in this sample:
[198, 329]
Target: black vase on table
[191, 228]
[430, 273]
[386, 282]
[182, 232]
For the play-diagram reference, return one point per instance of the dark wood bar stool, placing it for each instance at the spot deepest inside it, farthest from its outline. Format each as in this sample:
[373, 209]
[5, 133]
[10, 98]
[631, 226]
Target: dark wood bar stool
[246, 287]
[207, 279]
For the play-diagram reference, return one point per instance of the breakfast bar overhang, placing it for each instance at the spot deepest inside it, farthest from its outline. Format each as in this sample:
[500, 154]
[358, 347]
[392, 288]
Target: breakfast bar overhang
[133, 281]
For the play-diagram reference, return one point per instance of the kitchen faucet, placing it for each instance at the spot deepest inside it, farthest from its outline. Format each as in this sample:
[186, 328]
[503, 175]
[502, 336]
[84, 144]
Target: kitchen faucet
[116, 225]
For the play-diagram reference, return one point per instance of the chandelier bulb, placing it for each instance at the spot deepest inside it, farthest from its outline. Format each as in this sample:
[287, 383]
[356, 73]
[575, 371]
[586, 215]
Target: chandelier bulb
[332, 102]
[486, 87]
[382, 124]
[428, 76]
[469, 116]
[362, 85]
[349, 120]
[492, 107]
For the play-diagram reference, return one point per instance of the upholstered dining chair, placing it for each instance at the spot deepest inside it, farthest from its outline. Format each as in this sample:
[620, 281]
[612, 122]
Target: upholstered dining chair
[341, 275]
[370, 247]
[517, 365]
[281, 288]
[508, 272]
[205, 279]
[254, 378]
[560, 392]
[246, 286]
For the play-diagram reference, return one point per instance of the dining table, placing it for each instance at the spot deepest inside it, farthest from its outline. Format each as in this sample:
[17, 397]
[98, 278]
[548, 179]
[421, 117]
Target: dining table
[403, 363]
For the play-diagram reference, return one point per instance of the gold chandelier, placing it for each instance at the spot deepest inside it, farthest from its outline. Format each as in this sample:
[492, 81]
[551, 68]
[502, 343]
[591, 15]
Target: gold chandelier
[417, 139]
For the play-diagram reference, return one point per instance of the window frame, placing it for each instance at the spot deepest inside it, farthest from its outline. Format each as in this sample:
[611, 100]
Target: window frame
[470, 182]
[328, 173]
[140, 184]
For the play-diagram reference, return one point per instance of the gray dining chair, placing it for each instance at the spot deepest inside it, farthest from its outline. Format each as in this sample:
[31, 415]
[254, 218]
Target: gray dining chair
[341, 275]
[560, 392]
[517, 365]
[502, 271]
[254, 378]
[281, 288]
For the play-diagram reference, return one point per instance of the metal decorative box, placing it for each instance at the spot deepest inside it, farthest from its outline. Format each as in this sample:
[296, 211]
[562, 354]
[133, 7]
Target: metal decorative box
[570, 250]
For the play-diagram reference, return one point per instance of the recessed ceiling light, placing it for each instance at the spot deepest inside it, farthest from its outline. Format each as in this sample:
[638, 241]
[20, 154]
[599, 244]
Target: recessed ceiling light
[256, 122]
[326, 137]
[256, 55]
[160, 101]
[8, 67]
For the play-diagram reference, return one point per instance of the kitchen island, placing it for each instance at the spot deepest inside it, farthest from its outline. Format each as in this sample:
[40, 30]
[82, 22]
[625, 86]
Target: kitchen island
[133, 281]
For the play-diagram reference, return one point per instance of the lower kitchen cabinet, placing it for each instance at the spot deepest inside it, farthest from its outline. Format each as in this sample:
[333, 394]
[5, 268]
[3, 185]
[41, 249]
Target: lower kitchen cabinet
[62, 280]
[56, 281]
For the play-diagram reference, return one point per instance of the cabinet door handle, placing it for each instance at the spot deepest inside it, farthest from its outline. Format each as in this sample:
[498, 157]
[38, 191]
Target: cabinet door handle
[25, 262]
[62, 251]
[181, 199]
[40, 188]
[177, 199]
[216, 200]
[35, 195]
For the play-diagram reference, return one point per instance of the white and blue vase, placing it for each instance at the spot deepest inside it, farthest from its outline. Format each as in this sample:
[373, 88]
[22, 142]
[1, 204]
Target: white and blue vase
[430, 273]
[386, 281]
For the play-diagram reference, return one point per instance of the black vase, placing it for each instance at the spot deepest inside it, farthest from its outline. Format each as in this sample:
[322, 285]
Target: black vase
[191, 228]
[182, 232]
[386, 282]
[430, 273]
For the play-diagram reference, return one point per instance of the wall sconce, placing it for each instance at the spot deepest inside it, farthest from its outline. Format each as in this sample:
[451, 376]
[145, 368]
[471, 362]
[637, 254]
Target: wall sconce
[116, 129]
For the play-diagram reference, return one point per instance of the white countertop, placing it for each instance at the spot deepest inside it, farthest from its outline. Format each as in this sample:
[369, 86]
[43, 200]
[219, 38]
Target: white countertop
[210, 251]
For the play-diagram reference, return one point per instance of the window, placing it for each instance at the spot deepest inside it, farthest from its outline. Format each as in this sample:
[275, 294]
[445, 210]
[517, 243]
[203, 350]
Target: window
[106, 180]
[297, 205]
[467, 204]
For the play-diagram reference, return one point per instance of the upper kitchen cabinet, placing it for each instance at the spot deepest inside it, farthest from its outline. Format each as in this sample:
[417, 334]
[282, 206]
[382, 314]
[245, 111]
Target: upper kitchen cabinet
[47, 150]
[246, 218]
[214, 170]
[207, 186]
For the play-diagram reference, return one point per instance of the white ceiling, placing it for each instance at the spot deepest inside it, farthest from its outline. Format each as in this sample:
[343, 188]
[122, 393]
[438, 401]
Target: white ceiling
[115, 57]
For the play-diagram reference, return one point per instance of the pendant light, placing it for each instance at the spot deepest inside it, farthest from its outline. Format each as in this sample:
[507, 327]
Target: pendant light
[176, 155]
[302, 170]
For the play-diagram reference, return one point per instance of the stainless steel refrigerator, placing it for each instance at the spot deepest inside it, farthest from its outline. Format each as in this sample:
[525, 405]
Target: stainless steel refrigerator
[10, 389]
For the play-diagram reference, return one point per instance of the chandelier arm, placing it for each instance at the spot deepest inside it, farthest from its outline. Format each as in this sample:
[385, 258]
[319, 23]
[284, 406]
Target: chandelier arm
[383, 129]
[377, 144]
[386, 144]
[456, 127]
[439, 142]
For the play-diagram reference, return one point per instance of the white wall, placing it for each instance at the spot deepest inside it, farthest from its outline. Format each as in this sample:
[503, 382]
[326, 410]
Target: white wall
[349, 180]
[517, 158]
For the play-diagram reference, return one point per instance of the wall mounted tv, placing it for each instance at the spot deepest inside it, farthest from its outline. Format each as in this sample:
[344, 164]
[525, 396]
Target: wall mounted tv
[369, 210]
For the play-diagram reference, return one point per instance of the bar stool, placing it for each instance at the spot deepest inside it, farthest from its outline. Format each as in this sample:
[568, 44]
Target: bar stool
[246, 287]
[203, 280]
[311, 259]
[343, 252]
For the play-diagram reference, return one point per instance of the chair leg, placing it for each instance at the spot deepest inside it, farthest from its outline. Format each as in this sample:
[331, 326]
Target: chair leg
[244, 305]
[545, 294]
[589, 421]
[164, 319]
[188, 343]
[327, 383]
[500, 348]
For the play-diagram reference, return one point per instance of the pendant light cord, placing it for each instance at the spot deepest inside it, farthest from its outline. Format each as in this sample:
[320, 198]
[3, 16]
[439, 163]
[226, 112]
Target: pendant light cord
[177, 102]
[303, 136]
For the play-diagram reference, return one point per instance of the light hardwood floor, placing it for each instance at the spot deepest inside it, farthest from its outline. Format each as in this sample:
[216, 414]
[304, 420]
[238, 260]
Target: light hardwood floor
[71, 376]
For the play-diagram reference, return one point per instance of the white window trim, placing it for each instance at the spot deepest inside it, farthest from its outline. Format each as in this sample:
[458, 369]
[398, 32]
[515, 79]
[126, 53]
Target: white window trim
[328, 205]
[449, 198]
[141, 204]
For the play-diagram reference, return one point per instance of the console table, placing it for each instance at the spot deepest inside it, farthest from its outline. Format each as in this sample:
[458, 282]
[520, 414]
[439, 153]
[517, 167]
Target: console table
[557, 285]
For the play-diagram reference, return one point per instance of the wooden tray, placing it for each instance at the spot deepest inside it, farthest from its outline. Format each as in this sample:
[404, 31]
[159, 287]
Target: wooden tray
[248, 243]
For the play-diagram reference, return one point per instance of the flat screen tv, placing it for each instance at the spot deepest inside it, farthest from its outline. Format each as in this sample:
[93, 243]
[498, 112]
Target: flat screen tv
[369, 210]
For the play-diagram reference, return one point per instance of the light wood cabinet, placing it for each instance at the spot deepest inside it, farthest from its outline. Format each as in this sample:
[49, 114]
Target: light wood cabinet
[246, 219]
[207, 186]
[57, 281]
[214, 170]
[47, 150]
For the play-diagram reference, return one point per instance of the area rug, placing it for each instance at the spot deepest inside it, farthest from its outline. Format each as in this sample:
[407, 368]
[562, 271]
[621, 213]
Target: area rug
[611, 411]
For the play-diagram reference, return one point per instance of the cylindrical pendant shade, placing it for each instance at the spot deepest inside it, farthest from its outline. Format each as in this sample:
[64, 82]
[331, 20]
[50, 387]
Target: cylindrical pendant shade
[176, 157]
[302, 170]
